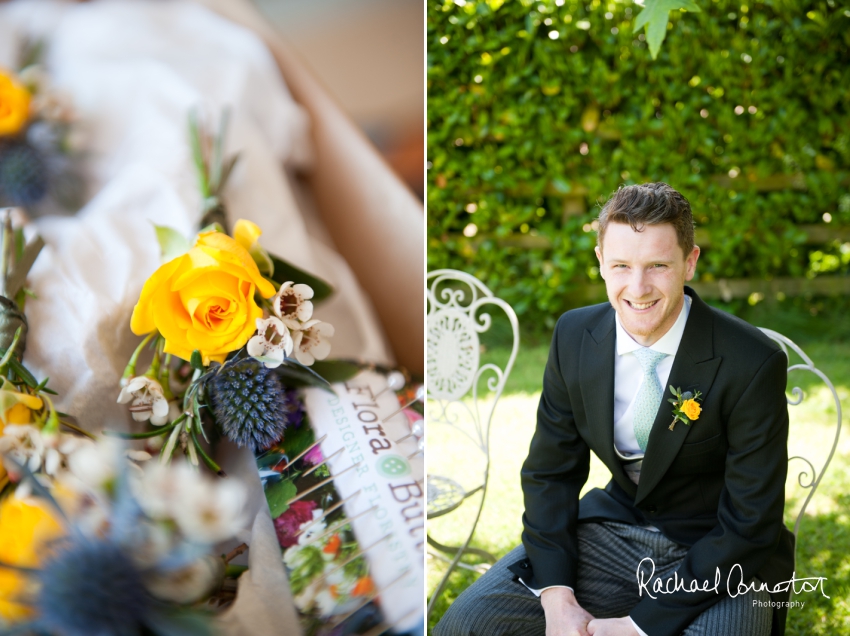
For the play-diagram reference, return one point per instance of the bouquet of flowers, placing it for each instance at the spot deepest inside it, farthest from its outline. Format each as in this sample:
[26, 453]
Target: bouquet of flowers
[105, 546]
[231, 330]
[91, 542]
[29, 425]
[36, 124]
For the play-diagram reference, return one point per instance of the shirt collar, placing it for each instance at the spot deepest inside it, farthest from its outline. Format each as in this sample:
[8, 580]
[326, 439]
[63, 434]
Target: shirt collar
[668, 343]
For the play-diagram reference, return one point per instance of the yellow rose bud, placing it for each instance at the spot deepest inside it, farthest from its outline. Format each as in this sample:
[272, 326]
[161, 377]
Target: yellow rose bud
[246, 233]
[25, 525]
[18, 414]
[691, 409]
[203, 299]
[14, 104]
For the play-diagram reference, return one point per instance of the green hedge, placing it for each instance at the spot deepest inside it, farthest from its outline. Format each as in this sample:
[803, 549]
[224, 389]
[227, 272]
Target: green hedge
[529, 102]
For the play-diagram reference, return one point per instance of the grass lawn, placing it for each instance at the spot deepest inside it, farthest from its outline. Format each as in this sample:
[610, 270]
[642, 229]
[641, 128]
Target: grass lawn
[824, 542]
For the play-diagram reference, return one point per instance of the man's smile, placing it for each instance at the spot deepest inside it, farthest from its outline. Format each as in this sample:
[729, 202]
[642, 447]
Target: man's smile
[641, 307]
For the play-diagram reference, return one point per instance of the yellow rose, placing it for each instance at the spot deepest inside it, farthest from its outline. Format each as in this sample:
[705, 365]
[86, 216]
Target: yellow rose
[14, 104]
[691, 409]
[203, 299]
[25, 526]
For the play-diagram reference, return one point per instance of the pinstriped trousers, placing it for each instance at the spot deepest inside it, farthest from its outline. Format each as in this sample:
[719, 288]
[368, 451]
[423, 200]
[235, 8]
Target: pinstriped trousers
[609, 553]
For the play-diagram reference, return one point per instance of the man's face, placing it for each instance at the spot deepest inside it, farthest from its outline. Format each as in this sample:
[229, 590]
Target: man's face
[645, 274]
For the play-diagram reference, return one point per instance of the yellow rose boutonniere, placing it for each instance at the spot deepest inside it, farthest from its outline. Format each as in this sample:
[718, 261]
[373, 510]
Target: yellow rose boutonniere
[203, 300]
[14, 104]
[691, 409]
[686, 406]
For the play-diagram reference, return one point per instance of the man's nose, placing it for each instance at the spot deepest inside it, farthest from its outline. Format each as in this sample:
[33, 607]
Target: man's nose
[639, 286]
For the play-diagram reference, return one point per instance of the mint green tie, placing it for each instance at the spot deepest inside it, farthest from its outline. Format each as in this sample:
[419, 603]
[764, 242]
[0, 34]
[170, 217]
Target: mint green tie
[648, 396]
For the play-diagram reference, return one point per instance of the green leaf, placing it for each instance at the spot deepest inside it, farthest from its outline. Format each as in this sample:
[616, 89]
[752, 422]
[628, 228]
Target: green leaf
[20, 242]
[278, 496]
[263, 260]
[197, 361]
[23, 373]
[16, 278]
[295, 375]
[284, 272]
[218, 152]
[336, 370]
[212, 227]
[654, 17]
[203, 455]
[198, 154]
[265, 359]
[272, 459]
[154, 433]
[226, 169]
[7, 355]
[171, 243]
[234, 571]
[297, 440]
[196, 409]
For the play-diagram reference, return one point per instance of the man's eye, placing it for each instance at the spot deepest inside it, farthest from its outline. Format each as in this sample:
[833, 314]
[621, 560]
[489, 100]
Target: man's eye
[659, 265]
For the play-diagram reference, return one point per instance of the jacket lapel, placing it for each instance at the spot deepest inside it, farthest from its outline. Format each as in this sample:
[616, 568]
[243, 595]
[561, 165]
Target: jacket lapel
[694, 366]
[596, 370]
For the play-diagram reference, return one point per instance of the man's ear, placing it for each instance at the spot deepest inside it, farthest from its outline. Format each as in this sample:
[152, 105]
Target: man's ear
[691, 263]
[600, 259]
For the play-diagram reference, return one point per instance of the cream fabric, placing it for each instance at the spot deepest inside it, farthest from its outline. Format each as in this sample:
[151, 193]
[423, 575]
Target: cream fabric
[133, 71]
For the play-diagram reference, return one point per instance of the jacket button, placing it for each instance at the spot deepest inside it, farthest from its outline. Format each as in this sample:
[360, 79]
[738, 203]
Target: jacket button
[524, 566]
[651, 509]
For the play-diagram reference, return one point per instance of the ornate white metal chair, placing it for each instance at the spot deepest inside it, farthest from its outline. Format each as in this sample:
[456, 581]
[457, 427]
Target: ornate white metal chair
[453, 374]
[805, 481]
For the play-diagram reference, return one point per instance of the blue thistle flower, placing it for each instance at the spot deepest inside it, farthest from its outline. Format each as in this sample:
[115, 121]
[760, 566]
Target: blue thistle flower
[249, 404]
[23, 174]
[92, 587]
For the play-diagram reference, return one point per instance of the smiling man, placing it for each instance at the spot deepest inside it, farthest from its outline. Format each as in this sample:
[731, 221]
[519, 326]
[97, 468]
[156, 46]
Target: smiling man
[695, 503]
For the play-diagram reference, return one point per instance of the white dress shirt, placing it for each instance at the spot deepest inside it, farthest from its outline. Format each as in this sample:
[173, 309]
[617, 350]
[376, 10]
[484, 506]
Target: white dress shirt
[628, 378]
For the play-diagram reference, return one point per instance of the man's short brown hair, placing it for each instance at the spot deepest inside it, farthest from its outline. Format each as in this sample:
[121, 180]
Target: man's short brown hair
[649, 204]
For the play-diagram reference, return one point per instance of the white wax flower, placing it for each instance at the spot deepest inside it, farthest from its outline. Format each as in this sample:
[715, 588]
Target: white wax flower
[148, 400]
[311, 341]
[272, 342]
[207, 511]
[25, 444]
[292, 304]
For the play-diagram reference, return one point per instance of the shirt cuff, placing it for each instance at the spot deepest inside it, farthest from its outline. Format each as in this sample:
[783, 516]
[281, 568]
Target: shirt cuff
[543, 589]
[637, 629]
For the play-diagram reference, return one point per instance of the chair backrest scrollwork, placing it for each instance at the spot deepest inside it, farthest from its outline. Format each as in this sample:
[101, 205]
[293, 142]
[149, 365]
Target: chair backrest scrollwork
[456, 316]
[809, 477]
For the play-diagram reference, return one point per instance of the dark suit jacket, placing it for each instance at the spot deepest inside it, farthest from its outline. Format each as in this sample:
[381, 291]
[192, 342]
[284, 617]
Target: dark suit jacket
[716, 485]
